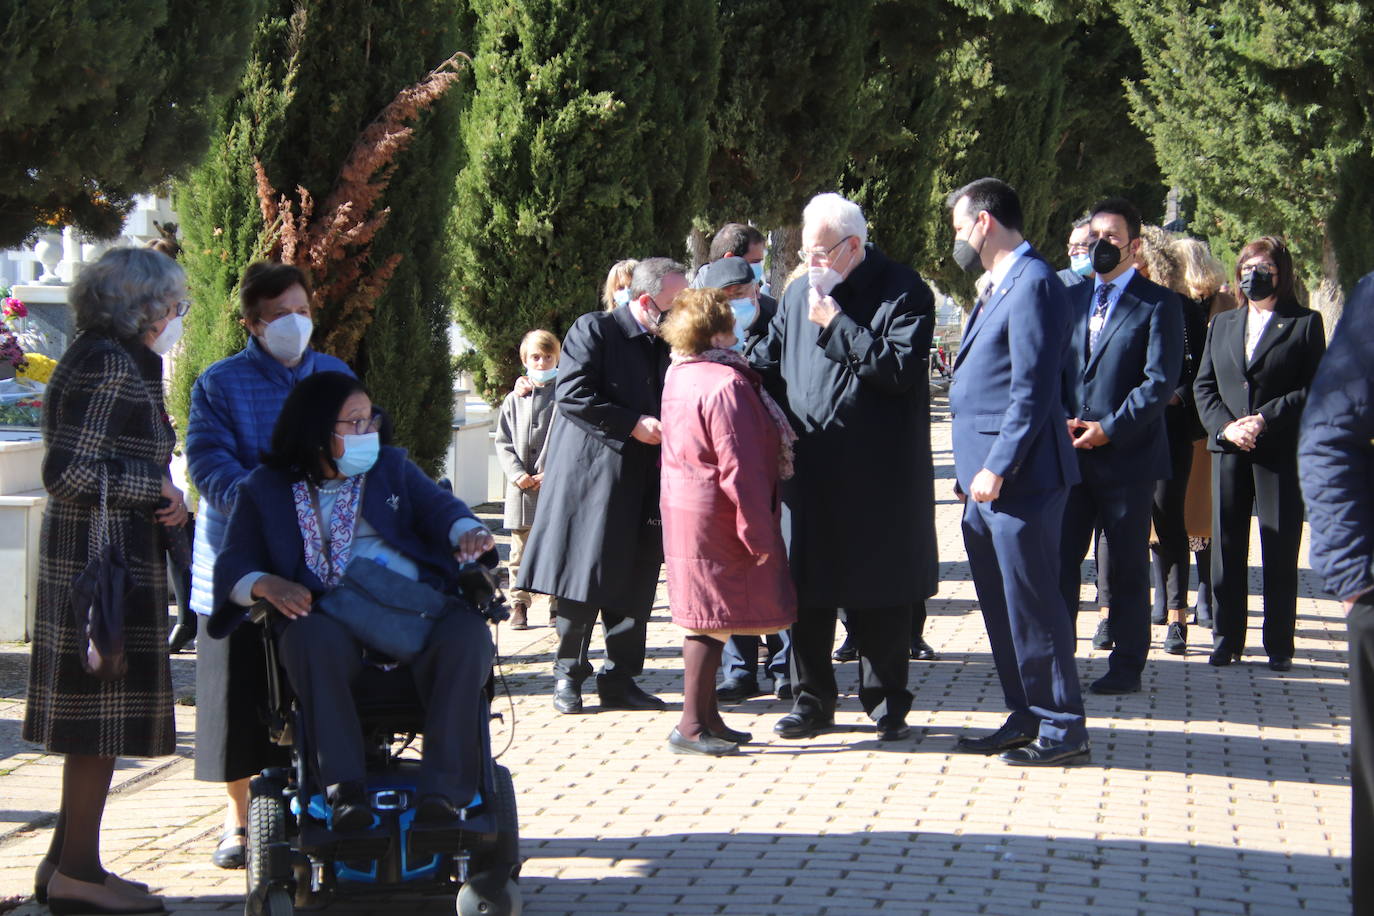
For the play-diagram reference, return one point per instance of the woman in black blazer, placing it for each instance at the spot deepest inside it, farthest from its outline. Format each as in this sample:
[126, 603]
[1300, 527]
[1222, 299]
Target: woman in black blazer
[1251, 386]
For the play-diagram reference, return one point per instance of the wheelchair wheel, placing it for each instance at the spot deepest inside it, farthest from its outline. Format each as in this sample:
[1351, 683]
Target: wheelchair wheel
[278, 903]
[507, 853]
[266, 828]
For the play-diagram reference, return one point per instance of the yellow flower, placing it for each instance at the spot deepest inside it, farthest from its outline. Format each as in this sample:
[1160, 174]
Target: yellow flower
[39, 369]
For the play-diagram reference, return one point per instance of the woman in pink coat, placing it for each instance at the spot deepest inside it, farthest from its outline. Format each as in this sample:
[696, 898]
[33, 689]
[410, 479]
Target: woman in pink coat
[725, 446]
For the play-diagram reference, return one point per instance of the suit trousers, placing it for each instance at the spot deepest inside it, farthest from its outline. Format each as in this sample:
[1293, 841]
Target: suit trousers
[322, 659]
[1171, 558]
[625, 629]
[1240, 483]
[1360, 632]
[1123, 513]
[882, 636]
[740, 660]
[1013, 554]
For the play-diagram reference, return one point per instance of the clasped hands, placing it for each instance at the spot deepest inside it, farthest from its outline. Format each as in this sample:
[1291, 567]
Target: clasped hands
[1087, 434]
[1245, 432]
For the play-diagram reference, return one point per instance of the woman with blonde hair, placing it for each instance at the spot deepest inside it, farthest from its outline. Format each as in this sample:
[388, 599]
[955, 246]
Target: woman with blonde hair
[726, 444]
[616, 292]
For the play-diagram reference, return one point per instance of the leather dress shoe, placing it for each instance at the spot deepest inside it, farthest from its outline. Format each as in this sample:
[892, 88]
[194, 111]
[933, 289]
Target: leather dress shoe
[567, 696]
[627, 694]
[784, 690]
[1046, 752]
[1280, 664]
[1176, 639]
[800, 725]
[1004, 739]
[46, 869]
[229, 853]
[891, 728]
[845, 653]
[519, 615]
[1220, 658]
[737, 690]
[921, 650]
[705, 744]
[436, 809]
[348, 808]
[1112, 685]
[68, 895]
[725, 733]
[1102, 636]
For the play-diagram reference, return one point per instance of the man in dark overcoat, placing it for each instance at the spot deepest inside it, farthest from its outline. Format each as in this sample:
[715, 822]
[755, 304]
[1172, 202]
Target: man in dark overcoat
[597, 541]
[850, 347]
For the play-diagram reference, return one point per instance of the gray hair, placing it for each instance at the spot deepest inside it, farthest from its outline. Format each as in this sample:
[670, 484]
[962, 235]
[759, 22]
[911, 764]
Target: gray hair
[649, 274]
[126, 291]
[837, 214]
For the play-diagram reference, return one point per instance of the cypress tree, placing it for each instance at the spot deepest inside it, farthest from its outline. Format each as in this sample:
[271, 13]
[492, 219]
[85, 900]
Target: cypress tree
[320, 71]
[104, 101]
[586, 144]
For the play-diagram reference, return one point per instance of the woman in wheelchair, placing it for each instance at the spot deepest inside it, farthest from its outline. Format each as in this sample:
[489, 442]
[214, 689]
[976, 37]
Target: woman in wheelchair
[327, 496]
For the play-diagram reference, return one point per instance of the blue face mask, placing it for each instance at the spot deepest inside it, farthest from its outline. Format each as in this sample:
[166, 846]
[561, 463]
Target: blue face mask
[360, 454]
[745, 312]
[757, 268]
[542, 376]
[622, 296]
[1082, 265]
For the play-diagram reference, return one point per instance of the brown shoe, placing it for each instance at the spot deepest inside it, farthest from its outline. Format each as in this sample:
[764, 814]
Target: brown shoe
[519, 616]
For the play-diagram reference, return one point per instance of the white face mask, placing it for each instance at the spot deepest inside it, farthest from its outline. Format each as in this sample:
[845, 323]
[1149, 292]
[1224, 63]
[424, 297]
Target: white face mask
[287, 337]
[171, 333]
[824, 279]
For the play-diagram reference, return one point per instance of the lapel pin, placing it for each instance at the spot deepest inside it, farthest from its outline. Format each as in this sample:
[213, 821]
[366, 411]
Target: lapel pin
[394, 502]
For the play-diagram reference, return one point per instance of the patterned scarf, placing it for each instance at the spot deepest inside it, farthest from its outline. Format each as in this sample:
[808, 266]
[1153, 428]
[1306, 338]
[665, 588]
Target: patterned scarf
[737, 361]
[327, 559]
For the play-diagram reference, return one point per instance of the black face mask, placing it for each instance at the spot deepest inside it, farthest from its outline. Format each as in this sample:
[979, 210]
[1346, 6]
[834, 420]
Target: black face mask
[1257, 285]
[967, 257]
[1105, 256]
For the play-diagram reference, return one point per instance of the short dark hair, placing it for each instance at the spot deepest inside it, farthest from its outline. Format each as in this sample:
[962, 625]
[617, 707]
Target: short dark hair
[1120, 206]
[305, 428]
[267, 280]
[735, 239]
[1274, 247]
[993, 195]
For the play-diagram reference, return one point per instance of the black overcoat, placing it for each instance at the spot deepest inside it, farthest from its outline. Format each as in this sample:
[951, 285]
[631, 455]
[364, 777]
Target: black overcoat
[860, 513]
[598, 526]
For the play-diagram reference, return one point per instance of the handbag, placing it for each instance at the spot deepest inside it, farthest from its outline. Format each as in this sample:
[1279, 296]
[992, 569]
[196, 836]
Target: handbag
[384, 610]
[100, 595]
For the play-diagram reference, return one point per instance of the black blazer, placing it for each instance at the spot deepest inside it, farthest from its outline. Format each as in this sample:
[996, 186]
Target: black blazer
[1274, 384]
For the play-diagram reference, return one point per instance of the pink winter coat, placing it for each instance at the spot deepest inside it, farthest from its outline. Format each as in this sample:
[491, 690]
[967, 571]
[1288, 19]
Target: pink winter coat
[720, 503]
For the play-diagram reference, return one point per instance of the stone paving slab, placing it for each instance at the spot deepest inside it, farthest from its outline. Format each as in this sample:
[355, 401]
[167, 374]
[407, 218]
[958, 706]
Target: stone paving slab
[1213, 791]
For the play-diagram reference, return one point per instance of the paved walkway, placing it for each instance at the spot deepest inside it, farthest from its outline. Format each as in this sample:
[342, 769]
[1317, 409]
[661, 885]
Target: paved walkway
[1213, 791]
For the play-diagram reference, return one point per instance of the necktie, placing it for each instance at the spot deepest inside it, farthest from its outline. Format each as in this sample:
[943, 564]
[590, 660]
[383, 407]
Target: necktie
[1099, 317]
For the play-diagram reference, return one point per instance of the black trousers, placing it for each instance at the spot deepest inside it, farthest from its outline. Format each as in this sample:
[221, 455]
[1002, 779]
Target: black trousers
[322, 660]
[883, 637]
[1360, 632]
[625, 637]
[1240, 484]
[1171, 558]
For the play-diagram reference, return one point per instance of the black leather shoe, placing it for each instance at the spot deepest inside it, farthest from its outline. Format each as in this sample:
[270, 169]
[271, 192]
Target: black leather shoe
[921, 650]
[348, 808]
[1004, 739]
[891, 728]
[1176, 639]
[705, 744]
[1045, 752]
[229, 853]
[1280, 664]
[845, 653]
[797, 725]
[737, 690]
[436, 809]
[567, 697]
[725, 733]
[1220, 658]
[1112, 684]
[784, 690]
[627, 694]
[1102, 637]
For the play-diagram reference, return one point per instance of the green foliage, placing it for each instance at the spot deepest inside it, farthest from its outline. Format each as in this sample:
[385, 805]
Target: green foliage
[586, 143]
[103, 101]
[319, 72]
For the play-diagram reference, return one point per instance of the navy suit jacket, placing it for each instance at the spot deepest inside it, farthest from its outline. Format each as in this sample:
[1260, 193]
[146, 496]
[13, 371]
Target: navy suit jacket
[1004, 400]
[1127, 382]
[410, 512]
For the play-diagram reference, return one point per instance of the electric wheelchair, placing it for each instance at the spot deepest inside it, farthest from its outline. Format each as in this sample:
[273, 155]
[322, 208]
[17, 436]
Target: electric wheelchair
[294, 858]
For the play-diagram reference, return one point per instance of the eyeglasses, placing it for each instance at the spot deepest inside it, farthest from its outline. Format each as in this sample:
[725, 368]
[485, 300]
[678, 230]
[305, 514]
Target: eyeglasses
[1078, 248]
[1259, 265]
[364, 426]
[821, 254]
[180, 307]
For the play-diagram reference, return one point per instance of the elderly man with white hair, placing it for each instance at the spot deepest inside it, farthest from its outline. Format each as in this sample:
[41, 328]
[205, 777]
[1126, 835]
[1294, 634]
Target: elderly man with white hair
[849, 347]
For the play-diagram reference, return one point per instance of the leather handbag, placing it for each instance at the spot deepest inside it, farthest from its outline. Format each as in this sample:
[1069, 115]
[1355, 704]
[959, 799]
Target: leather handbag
[384, 610]
[100, 596]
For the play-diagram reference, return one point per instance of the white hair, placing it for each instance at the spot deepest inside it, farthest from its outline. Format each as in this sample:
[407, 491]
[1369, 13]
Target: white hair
[834, 212]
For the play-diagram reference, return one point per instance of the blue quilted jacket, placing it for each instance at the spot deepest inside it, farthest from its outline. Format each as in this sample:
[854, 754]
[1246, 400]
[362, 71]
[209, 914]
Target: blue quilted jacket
[234, 406]
[1336, 451]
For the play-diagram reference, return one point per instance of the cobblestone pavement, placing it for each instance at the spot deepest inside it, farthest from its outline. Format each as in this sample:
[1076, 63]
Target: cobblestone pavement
[1212, 791]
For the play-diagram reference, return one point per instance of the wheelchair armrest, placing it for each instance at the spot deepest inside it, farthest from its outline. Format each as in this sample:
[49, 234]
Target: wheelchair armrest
[261, 611]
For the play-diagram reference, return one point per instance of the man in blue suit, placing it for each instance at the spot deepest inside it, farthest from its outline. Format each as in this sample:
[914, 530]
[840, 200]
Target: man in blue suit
[1014, 465]
[1125, 360]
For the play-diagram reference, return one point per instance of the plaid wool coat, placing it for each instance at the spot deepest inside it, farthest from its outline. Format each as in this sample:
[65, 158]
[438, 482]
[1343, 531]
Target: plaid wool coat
[103, 415]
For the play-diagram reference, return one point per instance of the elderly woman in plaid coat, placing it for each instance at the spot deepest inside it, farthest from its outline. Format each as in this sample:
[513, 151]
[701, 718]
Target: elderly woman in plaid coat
[105, 428]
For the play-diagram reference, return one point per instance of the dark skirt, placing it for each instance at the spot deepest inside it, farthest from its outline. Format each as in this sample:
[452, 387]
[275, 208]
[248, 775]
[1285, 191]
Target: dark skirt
[231, 700]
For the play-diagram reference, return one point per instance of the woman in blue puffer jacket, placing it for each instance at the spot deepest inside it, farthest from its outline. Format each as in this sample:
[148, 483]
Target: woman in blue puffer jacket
[234, 405]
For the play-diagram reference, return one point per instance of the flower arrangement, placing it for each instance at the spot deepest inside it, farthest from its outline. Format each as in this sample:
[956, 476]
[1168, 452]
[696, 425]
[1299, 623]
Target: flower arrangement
[39, 368]
[14, 308]
[11, 350]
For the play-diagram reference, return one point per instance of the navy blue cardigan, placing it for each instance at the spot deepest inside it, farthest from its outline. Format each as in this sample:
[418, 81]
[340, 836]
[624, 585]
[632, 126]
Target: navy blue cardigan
[409, 511]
